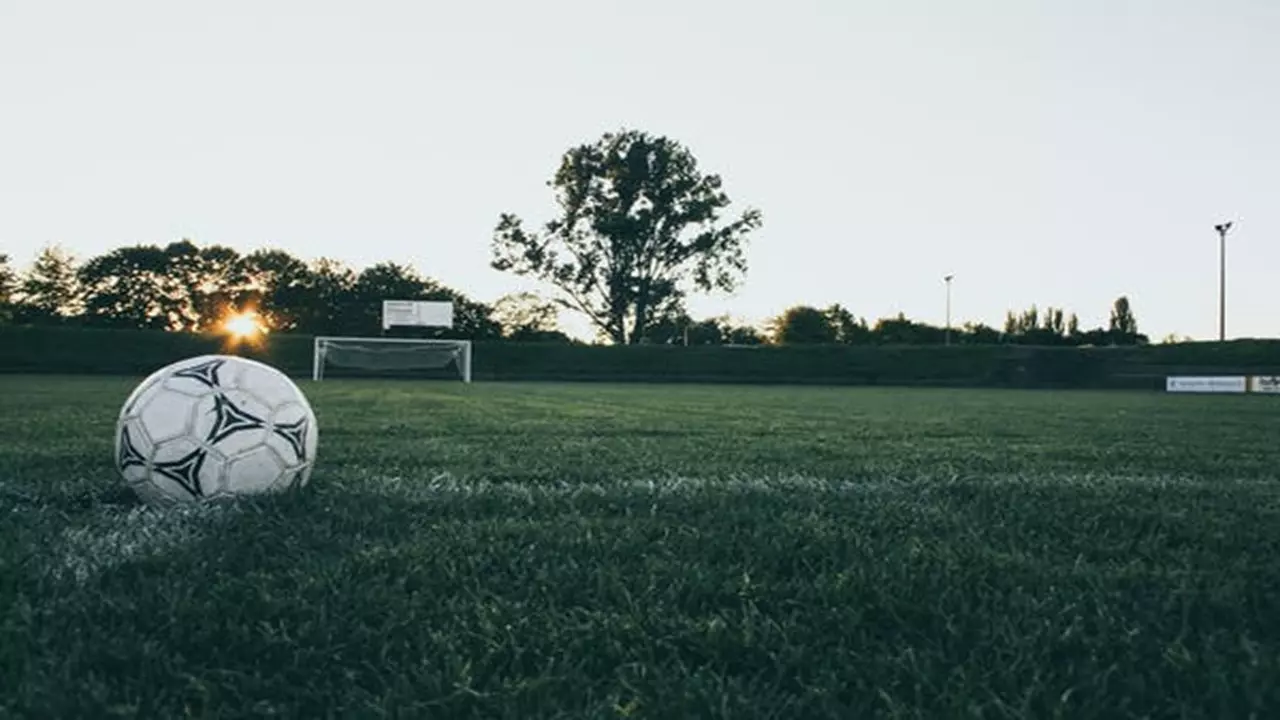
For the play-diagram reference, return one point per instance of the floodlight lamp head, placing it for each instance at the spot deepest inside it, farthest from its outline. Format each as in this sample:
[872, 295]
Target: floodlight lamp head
[948, 277]
[1222, 228]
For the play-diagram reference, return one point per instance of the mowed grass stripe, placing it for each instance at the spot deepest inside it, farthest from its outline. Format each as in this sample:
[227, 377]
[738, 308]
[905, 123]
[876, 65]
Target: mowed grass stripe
[516, 551]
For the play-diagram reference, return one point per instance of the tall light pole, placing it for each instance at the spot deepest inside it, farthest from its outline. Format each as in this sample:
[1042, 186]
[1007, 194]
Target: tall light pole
[1222, 229]
[948, 281]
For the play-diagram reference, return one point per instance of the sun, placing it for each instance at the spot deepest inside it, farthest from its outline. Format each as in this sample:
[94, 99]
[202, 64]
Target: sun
[243, 325]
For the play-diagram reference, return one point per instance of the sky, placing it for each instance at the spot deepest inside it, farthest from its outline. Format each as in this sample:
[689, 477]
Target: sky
[1058, 153]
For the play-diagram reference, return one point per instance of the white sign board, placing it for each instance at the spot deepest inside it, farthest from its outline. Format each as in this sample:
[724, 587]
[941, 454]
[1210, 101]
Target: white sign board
[1224, 384]
[1269, 384]
[417, 313]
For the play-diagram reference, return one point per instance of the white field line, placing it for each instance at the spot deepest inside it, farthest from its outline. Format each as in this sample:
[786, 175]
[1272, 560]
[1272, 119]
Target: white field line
[440, 483]
[113, 535]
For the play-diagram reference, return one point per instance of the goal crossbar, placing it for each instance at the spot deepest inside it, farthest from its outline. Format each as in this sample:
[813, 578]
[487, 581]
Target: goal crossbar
[324, 345]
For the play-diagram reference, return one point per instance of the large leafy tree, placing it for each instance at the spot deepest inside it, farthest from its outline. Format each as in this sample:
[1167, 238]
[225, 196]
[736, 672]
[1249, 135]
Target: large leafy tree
[640, 226]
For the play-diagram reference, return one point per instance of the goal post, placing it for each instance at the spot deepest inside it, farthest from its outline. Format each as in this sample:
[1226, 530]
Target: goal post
[391, 357]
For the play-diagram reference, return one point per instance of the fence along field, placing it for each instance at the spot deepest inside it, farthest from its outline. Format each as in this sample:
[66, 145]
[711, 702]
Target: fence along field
[137, 352]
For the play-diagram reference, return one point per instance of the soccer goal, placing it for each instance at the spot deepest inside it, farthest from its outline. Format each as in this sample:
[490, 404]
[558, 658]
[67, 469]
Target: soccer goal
[426, 358]
[391, 357]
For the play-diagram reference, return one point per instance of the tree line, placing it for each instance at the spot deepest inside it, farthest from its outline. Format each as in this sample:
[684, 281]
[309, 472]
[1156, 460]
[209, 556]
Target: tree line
[1051, 326]
[640, 228]
[184, 287]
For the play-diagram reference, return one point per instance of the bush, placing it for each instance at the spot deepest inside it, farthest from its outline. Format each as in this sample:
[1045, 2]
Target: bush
[74, 350]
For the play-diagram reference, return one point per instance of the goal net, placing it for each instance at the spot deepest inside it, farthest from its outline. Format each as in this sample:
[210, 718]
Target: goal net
[357, 357]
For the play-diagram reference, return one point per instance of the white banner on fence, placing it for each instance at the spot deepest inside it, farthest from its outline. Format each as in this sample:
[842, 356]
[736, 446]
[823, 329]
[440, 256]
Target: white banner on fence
[1224, 384]
[1265, 384]
[420, 313]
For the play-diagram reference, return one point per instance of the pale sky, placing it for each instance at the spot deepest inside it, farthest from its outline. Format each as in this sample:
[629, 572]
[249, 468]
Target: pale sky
[1059, 153]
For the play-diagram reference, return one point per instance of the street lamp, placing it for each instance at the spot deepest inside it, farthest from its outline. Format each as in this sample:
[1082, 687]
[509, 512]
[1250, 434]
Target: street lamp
[948, 281]
[1222, 229]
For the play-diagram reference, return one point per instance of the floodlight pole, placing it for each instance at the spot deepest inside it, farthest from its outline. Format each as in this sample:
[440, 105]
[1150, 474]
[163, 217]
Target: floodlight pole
[948, 281]
[1222, 229]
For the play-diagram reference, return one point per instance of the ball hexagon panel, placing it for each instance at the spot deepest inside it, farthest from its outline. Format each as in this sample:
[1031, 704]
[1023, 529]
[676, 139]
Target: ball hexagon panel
[257, 470]
[166, 415]
[269, 385]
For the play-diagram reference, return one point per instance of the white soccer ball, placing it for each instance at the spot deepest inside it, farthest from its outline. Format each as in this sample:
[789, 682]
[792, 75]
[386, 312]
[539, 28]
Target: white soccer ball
[215, 426]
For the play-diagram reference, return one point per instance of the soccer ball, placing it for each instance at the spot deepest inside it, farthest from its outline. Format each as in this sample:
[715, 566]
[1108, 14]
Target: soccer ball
[215, 426]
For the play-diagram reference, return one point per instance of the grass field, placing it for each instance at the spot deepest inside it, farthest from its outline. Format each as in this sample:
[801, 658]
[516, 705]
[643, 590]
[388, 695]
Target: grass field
[528, 551]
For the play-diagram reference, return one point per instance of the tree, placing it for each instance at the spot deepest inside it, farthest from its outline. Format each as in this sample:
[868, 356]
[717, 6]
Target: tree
[848, 330]
[639, 229]
[680, 329]
[179, 287]
[202, 284]
[743, 335]
[472, 319]
[902, 331]
[51, 290]
[1053, 326]
[322, 297]
[526, 316]
[803, 325]
[275, 286]
[129, 287]
[361, 313]
[1123, 326]
[979, 334]
[8, 286]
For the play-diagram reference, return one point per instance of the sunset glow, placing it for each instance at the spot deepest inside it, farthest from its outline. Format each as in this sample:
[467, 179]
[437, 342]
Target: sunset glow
[243, 326]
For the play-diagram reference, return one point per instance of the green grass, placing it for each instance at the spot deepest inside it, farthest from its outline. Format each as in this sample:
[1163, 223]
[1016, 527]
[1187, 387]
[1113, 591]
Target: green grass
[521, 551]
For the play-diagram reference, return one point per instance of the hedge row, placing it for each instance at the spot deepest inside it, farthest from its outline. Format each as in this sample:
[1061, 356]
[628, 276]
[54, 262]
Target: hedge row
[137, 352]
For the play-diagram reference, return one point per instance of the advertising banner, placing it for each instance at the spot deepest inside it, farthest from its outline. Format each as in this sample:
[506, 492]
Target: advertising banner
[1265, 384]
[1207, 384]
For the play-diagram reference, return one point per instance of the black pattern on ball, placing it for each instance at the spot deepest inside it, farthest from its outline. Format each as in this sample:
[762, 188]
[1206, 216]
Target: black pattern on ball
[185, 470]
[129, 455]
[294, 433]
[206, 372]
[230, 419]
